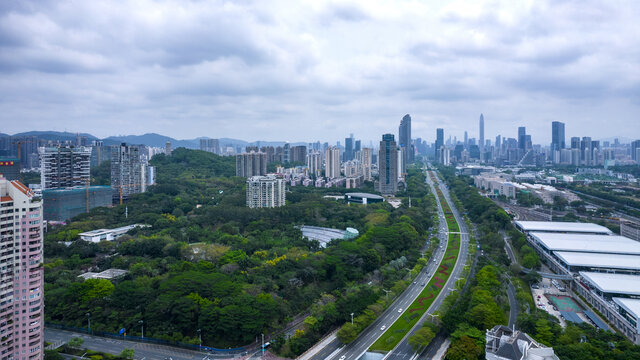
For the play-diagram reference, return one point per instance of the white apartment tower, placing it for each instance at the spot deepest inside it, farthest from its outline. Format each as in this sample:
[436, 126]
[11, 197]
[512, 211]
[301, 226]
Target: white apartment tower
[332, 162]
[265, 191]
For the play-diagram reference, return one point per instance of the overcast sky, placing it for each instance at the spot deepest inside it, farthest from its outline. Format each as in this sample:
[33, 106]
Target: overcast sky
[314, 70]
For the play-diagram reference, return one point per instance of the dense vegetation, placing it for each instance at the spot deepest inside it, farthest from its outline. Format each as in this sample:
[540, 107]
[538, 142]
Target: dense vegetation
[207, 262]
[473, 312]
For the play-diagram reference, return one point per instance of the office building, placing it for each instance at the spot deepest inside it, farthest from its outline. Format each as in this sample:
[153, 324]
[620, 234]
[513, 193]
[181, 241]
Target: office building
[10, 168]
[348, 148]
[129, 172]
[167, 148]
[635, 145]
[21, 301]
[557, 136]
[64, 166]
[481, 143]
[439, 142]
[251, 164]
[62, 204]
[314, 163]
[404, 140]
[388, 165]
[265, 191]
[210, 145]
[522, 138]
[366, 163]
[332, 162]
[575, 142]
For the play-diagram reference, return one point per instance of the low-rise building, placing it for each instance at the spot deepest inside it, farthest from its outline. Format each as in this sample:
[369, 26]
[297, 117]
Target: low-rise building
[98, 235]
[503, 343]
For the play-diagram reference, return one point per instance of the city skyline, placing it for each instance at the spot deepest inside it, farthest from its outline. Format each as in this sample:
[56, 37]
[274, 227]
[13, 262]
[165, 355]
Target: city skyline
[315, 68]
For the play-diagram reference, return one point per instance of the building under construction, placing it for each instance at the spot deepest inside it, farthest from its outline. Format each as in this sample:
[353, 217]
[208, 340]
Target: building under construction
[65, 166]
[130, 173]
[64, 204]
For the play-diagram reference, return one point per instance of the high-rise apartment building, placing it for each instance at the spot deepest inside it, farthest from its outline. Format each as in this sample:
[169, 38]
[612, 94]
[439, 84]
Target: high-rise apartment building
[587, 150]
[404, 140]
[62, 167]
[635, 145]
[314, 163]
[388, 165]
[251, 164]
[265, 191]
[298, 153]
[481, 143]
[210, 145]
[366, 163]
[167, 148]
[286, 153]
[22, 274]
[332, 162]
[130, 173]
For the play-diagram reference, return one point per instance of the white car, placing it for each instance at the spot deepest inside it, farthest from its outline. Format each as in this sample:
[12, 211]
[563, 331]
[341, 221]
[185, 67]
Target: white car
[400, 310]
[343, 357]
[383, 327]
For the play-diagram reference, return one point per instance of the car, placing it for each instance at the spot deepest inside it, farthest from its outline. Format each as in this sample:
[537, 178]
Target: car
[414, 282]
[423, 284]
[555, 308]
[383, 327]
[400, 310]
[343, 357]
[535, 286]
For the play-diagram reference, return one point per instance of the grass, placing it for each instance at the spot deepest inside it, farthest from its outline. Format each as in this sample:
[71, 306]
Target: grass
[414, 312]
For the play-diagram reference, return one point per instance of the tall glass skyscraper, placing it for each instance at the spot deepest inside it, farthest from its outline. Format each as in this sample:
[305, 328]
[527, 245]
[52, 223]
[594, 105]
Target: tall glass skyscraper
[404, 138]
[388, 165]
[557, 136]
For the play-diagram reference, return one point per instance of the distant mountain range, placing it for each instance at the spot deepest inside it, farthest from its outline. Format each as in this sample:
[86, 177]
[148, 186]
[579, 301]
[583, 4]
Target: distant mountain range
[150, 139]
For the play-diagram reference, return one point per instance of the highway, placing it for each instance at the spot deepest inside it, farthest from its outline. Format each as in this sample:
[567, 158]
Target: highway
[403, 350]
[369, 335]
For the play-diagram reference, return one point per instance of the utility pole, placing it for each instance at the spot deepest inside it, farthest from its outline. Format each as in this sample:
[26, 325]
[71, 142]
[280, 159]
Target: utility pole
[263, 345]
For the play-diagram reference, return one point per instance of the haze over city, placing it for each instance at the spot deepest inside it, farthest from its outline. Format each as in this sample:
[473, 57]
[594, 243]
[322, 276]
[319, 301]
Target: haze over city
[300, 71]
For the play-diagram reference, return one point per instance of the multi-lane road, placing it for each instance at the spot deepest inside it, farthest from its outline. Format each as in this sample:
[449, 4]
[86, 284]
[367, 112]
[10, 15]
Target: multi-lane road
[367, 337]
[403, 350]
[358, 347]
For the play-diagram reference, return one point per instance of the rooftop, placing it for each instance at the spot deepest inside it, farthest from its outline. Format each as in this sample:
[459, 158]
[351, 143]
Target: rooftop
[610, 244]
[632, 306]
[613, 283]
[608, 261]
[563, 227]
[365, 195]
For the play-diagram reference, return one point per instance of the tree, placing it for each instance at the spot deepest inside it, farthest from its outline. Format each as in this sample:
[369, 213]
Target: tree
[543, 332]
[421, 338]
[464, 348]
[75, 342]
[347, 333]
[127, 353]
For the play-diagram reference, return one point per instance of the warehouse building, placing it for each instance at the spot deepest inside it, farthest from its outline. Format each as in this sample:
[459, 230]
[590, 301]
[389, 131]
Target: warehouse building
[562, 227]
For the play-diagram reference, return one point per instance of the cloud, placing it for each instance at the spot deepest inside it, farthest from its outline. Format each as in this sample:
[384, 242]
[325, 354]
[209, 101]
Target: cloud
[318, 70]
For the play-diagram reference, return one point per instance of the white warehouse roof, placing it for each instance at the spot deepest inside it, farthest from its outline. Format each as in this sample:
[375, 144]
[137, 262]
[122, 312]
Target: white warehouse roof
[609, 244]
[631, 305]
[613, 283]
[563, 227]
[606, 261]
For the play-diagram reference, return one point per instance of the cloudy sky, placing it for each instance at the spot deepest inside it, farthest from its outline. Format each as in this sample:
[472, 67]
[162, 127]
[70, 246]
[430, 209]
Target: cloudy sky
[314, 70]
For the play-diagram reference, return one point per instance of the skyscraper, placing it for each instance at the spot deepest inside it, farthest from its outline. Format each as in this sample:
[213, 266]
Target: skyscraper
[635, 145]
[439, 141]
[62, 167]
[332, 162]
[557, 136]
[404, 139]
[481, 143]
[522, 138]
[575, 142]
[466, 139]
[388, 165]
[21, 272]
[348, 148]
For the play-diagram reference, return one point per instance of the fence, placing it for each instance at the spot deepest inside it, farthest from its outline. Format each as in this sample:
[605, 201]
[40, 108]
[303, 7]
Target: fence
[145, 339]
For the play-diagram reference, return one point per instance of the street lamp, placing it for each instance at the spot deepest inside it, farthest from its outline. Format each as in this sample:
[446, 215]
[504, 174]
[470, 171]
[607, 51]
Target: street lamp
[141, 322]
[351, 318]
[89, 322]
[263, 345]
[200, 337]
